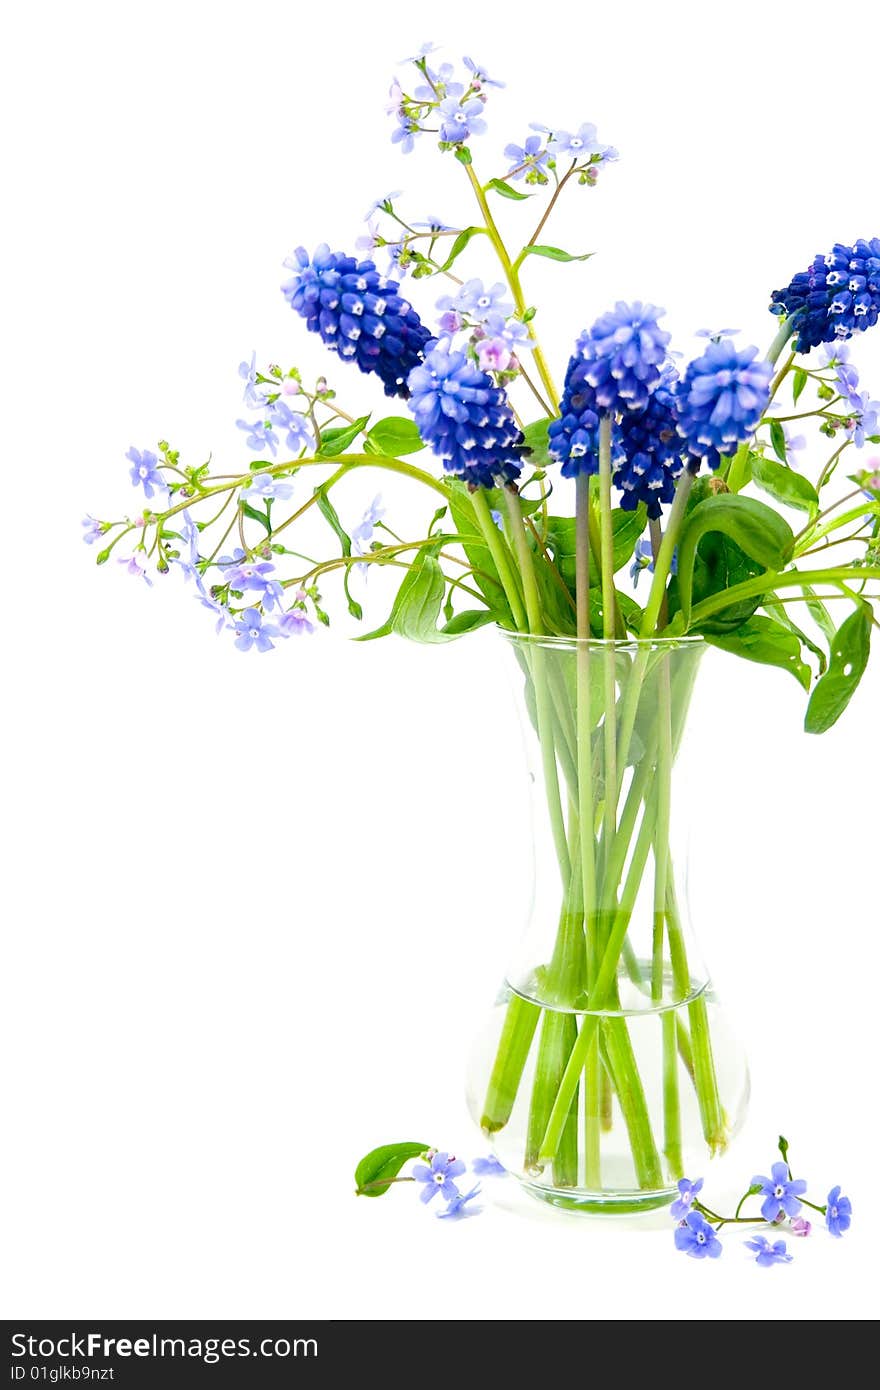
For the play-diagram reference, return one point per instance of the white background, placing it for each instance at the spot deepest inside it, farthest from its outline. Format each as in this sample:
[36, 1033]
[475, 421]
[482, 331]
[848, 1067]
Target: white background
[256, 907]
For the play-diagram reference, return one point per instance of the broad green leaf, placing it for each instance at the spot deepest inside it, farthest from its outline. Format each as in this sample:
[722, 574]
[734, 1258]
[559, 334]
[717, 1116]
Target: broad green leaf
[336, 441]
[537, 439]
[394, 437]
[256, 516]
[758, 530]
[459, 244]
[374, 1172]
[468, 621]
[764, 640]
[630, 611]
[553, 253]
[505, 189]
[850, 650]
[779, 611]
[416, 608]
[783, 484]
[777, 439]
[798, 383]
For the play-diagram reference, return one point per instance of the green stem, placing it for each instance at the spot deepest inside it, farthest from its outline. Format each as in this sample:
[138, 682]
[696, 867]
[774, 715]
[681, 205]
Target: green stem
[520, 1022]
[787, 580]
[663, 563]
[497, 548]
[608, 656]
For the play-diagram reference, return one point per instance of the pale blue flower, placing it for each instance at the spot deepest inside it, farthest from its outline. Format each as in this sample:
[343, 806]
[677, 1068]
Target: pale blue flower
[780, 1192]
[136, 565]
[687, 1192]
[460, 119]
[767, 1254]
[263, 486]
[144, 472]
[405, 133]
[250, 576]
[382, 204]
[93, 531]
[488, 1167]
[479, 303]
[456, 1205]
[866, 421]
[259, 435]
[479, 74]
[838, 1213]
[362, 534]
[295, 622]
[716, 334]
[438, 1177]
[532, 156]
[695, 1237]
[299, 433]
[423, 52]
[253, 395]
[578, 144]
[253, 632]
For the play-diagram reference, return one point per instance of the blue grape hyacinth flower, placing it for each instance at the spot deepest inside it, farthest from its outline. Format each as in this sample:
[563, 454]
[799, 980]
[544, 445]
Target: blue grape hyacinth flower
[651, 451]
[625, 352]
[838, 295]
[359, 314]
[465, 418]
[721, 401]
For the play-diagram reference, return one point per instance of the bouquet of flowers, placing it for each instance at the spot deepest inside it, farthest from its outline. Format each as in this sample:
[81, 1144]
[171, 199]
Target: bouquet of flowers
[547, 500]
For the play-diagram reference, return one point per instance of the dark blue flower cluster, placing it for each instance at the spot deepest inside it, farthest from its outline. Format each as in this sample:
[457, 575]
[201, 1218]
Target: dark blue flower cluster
[358, 313]
[839, 295]
[465, 418]
[574, 437]
[721, 401]
[651, 450]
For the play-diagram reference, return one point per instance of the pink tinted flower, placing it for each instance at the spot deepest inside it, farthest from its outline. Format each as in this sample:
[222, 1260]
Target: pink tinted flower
[494, 355]
[801, 1226]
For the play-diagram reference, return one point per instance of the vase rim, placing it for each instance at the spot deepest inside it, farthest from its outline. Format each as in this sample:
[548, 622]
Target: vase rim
[611, 643]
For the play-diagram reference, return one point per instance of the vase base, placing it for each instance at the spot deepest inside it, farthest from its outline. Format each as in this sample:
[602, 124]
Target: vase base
[599, 1203]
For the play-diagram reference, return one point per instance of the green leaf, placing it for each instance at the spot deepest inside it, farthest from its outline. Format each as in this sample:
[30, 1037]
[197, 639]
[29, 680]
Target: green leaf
[328, 512]
[777, 439]
[626, 528]
[468, 621]
[416, 608]
[778, 610]
[376, 1169]
[798, 383]
[764, 640]
[256, 516]
[553, 253]
[459, 244]
[505, 189]
[463, 154]
[759, 531]
[819, 613]
[538, 440]
[336, 441]
[394, 437]
[783, 484]
[850, 650]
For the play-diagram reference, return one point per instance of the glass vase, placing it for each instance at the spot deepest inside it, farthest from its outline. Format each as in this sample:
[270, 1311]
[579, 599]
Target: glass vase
[607, 1070]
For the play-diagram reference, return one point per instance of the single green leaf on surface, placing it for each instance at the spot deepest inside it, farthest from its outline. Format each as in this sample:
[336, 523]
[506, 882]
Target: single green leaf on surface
[799, 381]
[764, 640]
[505, 189]
[459, 244]
[552, 253]
[783, 484]
[254, 515]
[336, 440]
[394, 437]
[850, 649]
[759, 531]
[377, 1169]
[777, 439]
